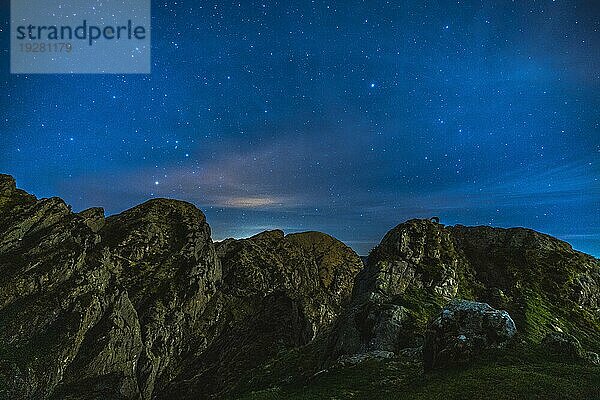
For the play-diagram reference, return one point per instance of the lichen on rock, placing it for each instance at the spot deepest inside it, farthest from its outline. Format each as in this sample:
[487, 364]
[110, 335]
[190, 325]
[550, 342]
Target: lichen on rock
[464, 330]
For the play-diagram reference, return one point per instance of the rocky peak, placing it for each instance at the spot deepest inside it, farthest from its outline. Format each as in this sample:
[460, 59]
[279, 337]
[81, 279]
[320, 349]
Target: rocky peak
[421, 265]
[93, 218]
[419, 253]
[11, 197]
[337, 263]
[275, 234]
[7, 184]
[157, 230]
[313, 265]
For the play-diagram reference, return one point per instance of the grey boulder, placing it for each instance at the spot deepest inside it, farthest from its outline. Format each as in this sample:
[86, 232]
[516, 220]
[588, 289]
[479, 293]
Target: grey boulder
[463, 330]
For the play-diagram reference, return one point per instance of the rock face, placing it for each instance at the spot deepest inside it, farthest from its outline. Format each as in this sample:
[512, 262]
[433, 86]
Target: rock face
[98, 306]
[143, 305]
[139, 305]
[419, 254]
[162, 255]
[563, 346]
[371, 326]
[408, 275]
[278, 292]
[421, 265]
[315, 269]
[465, 329]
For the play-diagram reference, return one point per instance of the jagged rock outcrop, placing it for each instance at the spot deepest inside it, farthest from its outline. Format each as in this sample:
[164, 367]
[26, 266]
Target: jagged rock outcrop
[463, 330]
[162, 254]
[103, 307]
[138, 306]
[143, 305]
[314, 268]
[278, 292]
[409, 275]
[421, 265]
[45, 303]
[418, 254]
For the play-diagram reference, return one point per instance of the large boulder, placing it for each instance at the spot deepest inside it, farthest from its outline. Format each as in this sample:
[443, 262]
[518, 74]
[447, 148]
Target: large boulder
[371, 326]
[463, 330]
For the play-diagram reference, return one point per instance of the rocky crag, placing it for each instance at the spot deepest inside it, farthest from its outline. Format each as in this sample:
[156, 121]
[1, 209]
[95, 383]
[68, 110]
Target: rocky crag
[143, 305]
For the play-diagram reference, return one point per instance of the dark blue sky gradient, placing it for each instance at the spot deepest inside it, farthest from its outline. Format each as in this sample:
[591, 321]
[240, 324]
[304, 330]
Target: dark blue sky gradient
[346, 117]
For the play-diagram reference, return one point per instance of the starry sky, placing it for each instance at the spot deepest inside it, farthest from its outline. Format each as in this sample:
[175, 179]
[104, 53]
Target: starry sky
[346, 117]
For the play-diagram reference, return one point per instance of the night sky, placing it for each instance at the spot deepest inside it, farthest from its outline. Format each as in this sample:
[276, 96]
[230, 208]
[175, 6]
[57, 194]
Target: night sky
[346, 117]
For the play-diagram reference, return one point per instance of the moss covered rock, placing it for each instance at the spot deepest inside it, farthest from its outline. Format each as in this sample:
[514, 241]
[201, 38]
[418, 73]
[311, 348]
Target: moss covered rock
[464, 330]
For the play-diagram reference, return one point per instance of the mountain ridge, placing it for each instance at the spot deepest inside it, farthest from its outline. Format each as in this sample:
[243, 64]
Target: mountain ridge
[143, 304]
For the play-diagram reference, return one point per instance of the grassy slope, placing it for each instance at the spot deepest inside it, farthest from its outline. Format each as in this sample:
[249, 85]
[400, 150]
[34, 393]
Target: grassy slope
[515, 374]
